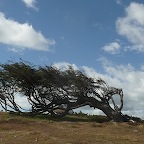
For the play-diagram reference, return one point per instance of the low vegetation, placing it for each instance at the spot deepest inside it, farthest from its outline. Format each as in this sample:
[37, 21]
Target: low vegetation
[71, 129]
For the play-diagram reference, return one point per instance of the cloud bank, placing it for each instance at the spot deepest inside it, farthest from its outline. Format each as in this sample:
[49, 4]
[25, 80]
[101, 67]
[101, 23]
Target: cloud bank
[112, 48]
[22, 36]
[131, 26]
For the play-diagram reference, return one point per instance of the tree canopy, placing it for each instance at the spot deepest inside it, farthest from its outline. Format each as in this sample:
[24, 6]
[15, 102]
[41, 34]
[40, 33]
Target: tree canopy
[56, 92]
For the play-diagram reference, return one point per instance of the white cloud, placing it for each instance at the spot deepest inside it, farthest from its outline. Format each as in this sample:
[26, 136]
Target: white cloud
[132, 26]
[119, 2]
[120, 76]
[112, 48]
[22, 36]
[30, 4]
[22, 101]
[65, 65]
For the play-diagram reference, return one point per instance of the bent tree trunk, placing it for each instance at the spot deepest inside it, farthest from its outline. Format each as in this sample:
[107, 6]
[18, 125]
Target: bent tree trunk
[105, 107]
[116, 116]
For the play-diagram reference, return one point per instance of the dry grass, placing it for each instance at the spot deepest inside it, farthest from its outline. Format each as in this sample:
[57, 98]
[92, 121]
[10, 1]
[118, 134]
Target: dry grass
[24, 130]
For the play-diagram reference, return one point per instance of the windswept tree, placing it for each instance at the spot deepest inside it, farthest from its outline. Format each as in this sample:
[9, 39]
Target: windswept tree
[56, 92]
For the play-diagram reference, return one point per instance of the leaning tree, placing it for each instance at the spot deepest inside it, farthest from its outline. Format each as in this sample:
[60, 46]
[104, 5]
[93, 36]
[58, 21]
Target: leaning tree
[56, 92]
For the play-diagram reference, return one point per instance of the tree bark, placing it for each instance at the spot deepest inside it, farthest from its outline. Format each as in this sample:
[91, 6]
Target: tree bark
[105, 107]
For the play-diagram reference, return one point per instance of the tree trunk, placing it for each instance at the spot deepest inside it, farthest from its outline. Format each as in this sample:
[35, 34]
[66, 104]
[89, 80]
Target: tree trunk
[105, 107]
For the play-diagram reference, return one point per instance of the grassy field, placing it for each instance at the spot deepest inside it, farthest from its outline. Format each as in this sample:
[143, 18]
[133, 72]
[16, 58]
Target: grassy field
[69, 130]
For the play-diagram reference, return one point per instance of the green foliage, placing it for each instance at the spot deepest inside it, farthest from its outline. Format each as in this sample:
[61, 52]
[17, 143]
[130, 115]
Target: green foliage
[53, 91]
[41, 84]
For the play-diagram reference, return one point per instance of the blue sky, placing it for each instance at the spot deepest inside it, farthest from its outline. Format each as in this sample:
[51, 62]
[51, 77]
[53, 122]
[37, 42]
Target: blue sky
[103, 38]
